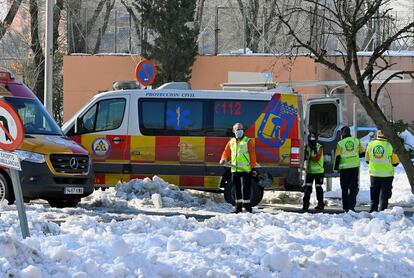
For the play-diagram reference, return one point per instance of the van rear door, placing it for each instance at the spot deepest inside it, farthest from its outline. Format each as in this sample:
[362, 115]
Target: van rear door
[324, 116]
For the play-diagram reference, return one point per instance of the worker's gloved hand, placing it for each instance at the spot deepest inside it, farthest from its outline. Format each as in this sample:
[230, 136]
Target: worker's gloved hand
[253, 173]
[222, 161]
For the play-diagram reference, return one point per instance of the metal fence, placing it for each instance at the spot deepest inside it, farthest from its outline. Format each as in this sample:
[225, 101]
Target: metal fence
[222, 30]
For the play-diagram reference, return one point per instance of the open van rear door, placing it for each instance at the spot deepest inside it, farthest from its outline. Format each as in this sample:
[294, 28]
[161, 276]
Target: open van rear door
[324, 116]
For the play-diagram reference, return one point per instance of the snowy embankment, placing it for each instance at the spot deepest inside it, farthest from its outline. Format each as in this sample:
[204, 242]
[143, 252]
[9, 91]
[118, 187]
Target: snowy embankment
[153, 194]
[249, 245]
[280, 244]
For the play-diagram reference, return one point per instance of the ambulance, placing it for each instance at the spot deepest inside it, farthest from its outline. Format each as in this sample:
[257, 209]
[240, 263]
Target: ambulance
[54, 167]
[180, 134]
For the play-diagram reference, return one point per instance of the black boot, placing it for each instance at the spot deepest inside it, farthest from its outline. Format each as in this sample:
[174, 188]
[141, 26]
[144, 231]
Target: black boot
[238, 208]
[319, 197]
[248, 207]
[306, 199]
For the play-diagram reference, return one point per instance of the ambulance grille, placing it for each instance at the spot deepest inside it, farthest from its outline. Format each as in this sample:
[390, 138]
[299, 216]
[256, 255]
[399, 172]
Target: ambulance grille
[70, 164]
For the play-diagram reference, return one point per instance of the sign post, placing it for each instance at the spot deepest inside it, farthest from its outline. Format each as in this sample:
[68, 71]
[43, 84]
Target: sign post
[145, 72]
[11, 137]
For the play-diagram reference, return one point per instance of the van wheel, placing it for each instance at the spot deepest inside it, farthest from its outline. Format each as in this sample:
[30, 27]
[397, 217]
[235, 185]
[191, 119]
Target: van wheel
[56, 203]
[255, 198]
[6, 190]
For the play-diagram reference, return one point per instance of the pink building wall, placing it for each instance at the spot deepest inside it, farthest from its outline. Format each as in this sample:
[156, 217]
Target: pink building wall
[85, 76]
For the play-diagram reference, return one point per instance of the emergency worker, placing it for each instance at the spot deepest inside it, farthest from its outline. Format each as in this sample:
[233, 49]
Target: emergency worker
[382, 160]
[348, 152]
[314, 172]
[242, 153]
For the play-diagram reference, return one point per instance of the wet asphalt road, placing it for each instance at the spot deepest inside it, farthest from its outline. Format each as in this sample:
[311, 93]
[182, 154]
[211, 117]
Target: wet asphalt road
[109, 214]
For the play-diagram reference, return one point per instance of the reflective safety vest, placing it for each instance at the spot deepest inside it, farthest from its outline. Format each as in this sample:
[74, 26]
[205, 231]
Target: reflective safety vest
[380, 153]
[315, 167]
[349, 153]
[240, 155]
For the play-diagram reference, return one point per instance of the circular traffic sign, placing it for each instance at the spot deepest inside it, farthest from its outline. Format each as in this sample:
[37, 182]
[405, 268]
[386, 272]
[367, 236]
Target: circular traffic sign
[145, 72]
[11, 127]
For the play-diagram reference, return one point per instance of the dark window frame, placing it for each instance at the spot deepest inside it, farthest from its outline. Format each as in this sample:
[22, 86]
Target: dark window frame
[165, 131]
[97, 104]
[207, 129]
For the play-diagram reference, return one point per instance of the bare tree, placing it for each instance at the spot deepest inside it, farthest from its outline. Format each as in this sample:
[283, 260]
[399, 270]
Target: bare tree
[36, 43]
[343, 20]
[262, 23]
[5, 24]
[81, 24]
[199, 12]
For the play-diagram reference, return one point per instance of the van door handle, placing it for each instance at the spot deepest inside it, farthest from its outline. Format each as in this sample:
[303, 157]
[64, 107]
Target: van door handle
[117, 140]
[210, 154]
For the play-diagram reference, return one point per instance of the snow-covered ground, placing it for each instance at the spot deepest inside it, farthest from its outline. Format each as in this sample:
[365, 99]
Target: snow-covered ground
[262, 244]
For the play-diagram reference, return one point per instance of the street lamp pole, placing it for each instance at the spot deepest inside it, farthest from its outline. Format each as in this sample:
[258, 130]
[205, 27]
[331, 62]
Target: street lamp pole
[48, 93]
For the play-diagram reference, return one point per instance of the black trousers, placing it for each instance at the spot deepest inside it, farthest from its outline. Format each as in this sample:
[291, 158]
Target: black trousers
[242, 181]
[349, 180]
[318, 178]
[381, 192]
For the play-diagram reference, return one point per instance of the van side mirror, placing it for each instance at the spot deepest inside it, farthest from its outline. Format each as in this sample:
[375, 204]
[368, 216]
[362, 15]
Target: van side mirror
[78, 126]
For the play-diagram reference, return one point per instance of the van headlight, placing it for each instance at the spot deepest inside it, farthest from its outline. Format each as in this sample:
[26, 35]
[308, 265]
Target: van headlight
[30, 156]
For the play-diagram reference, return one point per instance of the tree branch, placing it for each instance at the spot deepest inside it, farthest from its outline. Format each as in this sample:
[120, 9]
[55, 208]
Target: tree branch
[395, 74]
[4, 25]
[91, 22]
[379, 51]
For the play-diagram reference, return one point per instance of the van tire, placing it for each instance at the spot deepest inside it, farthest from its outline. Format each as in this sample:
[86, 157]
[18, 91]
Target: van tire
[255, 198]
[58, 203]
[6, 189]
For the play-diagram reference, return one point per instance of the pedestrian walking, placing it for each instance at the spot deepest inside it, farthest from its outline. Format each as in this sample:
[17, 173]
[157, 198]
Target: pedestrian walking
[347, 154]
[382, 160]
[240, 150]
[314, 172]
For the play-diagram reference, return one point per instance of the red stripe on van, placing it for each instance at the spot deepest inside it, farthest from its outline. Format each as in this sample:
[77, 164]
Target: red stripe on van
[167, 148]
[99, 178]
[191, 181]
[214, 147]
[119, 144]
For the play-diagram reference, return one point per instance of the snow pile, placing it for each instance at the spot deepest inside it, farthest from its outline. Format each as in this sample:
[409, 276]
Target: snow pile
[154, 193]
[408, 140]
[244, 245]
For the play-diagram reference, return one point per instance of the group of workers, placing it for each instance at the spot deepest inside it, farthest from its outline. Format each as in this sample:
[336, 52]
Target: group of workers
[379, 155]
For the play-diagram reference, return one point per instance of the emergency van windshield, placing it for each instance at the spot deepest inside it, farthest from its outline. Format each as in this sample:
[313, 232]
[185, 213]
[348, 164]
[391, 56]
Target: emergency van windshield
[34, 116]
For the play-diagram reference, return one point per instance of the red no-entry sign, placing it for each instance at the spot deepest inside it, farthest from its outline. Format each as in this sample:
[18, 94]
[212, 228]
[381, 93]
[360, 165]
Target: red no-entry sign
[11, 127]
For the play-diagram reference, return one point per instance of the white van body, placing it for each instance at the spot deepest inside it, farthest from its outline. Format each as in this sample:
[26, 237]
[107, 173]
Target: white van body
[180, 135]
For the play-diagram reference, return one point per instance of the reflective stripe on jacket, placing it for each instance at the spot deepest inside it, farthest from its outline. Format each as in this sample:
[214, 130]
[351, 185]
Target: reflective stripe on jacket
[315, 167]
[380, 154]
[349, 152]
[240, 155]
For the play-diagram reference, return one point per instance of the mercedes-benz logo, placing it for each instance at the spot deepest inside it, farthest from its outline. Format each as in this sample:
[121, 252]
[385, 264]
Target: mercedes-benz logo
[74, 164]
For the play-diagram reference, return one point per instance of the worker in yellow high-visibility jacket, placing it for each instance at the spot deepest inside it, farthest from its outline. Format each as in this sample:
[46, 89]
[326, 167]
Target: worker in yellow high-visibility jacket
[382, 160]
[347, 154]
[240, 150]
[314, 172]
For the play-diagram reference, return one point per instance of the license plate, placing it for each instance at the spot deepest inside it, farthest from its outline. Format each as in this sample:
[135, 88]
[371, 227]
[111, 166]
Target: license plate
[73, 190]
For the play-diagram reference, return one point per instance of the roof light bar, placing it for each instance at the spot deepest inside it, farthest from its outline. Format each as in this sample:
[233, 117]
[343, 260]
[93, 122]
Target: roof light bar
[6, 75]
